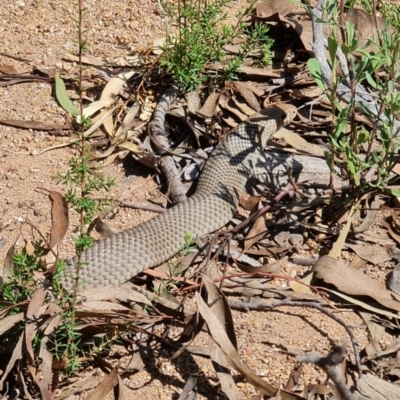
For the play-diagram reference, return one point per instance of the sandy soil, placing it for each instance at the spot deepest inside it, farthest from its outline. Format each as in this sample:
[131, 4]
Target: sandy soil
[41, 31]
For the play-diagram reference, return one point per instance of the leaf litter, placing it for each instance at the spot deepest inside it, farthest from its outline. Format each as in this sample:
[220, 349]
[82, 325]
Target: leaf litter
[116, 118]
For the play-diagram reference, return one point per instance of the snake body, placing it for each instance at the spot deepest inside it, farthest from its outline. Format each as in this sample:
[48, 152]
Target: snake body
[116, 259]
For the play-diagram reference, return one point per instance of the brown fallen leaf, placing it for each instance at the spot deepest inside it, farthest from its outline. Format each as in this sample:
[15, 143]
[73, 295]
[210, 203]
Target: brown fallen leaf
[59, 218]
[32, 316]
[10, 321]
[220, 336]
[8, 264]
[35, 125]
[372, 387]
[298, 143]
[219, 306]
[248, 95]
[45, 370]
[8, 69]
[210, 105]
[354, 282]
[106, 385]
[373, 253]
[256, 232]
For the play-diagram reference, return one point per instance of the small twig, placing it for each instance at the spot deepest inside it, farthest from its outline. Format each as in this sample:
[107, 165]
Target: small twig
[328, 364]
[14, 57]
[145, 207]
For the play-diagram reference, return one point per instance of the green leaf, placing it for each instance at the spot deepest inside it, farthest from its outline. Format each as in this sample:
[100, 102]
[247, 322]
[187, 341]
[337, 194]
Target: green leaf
[394, 192]
[332, 47]
[315, 69]
[371, 80]
[62, 97]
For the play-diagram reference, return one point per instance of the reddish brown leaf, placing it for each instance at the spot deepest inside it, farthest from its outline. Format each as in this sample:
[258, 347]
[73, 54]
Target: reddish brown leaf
[59, 216]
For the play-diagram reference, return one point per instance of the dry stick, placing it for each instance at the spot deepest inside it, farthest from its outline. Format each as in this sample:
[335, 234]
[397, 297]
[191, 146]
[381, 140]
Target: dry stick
[249, 220]
[246, 306]
[145, 207]
[363, 100]
[167, 163]
[328, 364]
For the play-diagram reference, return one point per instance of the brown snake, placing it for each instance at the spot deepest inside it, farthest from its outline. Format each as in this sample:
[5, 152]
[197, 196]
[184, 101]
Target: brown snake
[118, 258]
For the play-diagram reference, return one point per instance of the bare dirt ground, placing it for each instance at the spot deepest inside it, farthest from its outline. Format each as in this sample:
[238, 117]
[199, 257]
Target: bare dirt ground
[41, 32]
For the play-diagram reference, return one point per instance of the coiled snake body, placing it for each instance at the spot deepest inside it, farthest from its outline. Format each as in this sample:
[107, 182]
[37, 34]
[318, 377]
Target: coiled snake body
[122, 256]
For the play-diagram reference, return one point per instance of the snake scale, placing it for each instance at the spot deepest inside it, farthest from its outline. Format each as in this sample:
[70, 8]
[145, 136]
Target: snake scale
[116, 259]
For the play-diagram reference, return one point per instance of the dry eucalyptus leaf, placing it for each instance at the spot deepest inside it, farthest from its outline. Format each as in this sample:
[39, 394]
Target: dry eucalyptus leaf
[128, 118]
[220, 336]
[354, 282]
[33, 313]
[373, 253]
[218, 305]
[29, 248]
[134, 148]
[59, 217]
[248, 72]
[94, 107]
[114, 85]
[107, 384]
[210, 105]
[375, 388]
[256, 232]
[298, 143]
[243, 106]
[10, 321]
[228, 104]
[248, 95]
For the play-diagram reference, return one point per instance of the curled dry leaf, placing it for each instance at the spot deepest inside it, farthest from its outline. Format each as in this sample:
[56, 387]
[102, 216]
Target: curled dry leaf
[59, 218]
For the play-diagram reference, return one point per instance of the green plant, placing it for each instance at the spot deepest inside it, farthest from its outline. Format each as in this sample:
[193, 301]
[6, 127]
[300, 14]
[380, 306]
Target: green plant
[390, 12]
[201, 38]
[366, 168]
[20, 284]
[257, 37]
[83, 184]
